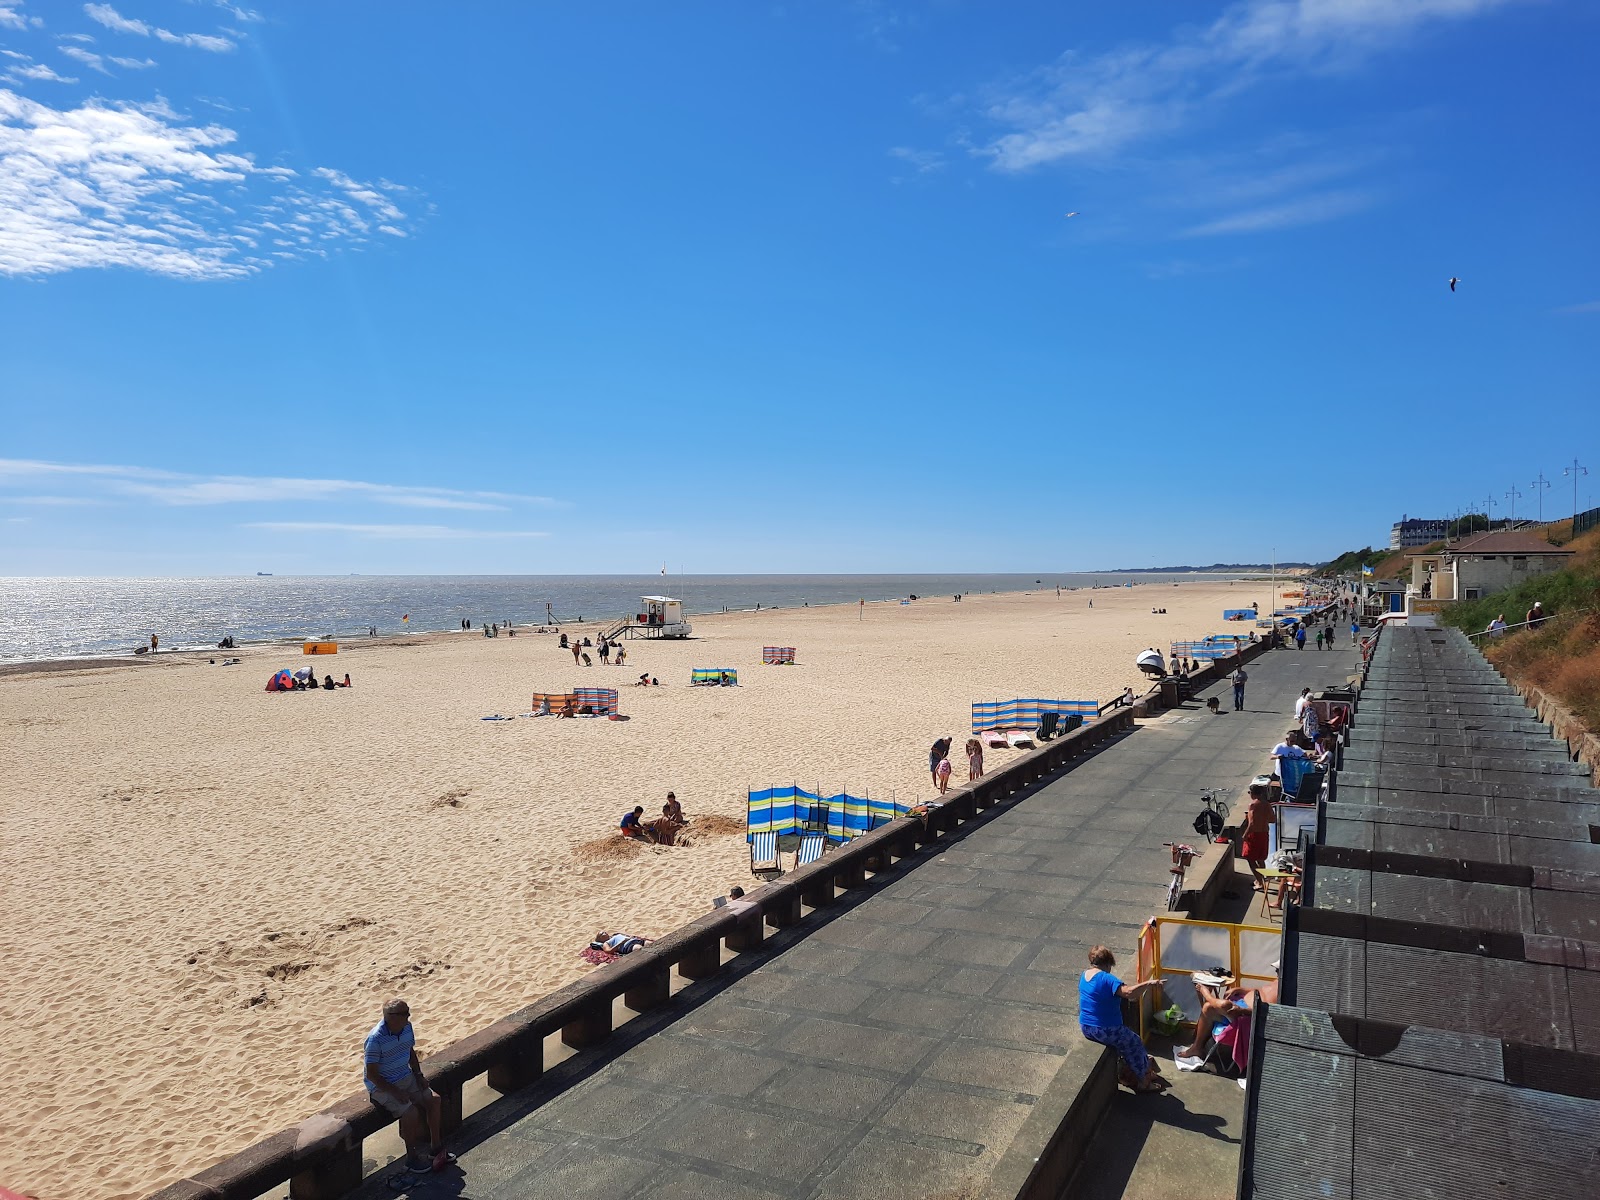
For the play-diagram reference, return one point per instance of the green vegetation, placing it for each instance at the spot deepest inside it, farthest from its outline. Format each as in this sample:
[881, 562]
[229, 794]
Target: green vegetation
[1466, 526]
[1349, 563]
[1563, 657]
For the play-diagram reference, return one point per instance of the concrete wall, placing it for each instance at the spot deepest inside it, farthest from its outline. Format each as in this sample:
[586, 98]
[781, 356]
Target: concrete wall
[1488, 573]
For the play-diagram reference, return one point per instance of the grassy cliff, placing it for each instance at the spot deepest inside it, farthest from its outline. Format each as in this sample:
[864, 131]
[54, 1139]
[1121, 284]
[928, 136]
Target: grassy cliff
[1563, 658]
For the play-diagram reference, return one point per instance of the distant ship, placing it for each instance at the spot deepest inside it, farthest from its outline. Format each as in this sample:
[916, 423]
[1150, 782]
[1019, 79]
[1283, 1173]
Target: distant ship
[263, 572]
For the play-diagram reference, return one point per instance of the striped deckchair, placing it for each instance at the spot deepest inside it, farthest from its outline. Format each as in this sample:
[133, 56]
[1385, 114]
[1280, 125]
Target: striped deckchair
[715, 676]
[600, 701]
[811, 847]
[764, 855]
[777, 655]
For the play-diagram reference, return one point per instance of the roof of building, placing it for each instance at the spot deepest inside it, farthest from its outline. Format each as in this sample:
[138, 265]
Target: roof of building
[1505, 541]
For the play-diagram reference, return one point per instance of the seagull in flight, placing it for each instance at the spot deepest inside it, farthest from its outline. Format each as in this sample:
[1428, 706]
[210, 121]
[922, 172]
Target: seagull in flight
[1453, 281]
[1072, 214]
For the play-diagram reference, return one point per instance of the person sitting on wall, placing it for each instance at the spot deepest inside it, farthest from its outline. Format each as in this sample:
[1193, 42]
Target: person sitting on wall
[1100, 997]
[395, 1082]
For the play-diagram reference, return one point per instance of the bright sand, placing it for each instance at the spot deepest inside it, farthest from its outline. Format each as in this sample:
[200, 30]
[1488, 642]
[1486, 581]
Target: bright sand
[210, 889]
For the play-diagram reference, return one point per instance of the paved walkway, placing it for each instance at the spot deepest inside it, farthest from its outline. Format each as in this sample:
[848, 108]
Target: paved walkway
[896, 1049]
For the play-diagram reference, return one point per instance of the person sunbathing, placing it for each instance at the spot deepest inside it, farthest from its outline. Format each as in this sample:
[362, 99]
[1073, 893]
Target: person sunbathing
[1220, 1005]
[617, 943]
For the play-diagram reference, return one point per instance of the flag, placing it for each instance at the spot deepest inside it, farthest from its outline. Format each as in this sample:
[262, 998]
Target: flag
[1366, 570]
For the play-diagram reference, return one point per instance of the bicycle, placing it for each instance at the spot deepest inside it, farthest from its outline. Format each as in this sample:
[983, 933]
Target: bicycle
[1210, 820]
[1182, 856]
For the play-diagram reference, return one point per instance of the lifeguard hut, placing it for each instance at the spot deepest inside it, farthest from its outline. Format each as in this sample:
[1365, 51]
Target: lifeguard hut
[662, 616]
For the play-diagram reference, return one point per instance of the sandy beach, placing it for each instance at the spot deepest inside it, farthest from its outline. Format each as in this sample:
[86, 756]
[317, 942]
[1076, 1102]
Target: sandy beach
[211, 889]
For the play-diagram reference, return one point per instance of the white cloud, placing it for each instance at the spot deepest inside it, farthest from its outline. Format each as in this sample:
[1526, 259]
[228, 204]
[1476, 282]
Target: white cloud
[105, 15]
[112, 19]
[87, 57]
[396, 532]
[126, 185]
[179, 489]
[38, 71]
[1085, 105]
[133, 64]
[1588, 306]
[1306, 210]
[10, 18]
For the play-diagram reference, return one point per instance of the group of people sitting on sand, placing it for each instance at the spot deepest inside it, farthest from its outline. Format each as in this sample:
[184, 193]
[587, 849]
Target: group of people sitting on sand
[305, 680]
[663, 831]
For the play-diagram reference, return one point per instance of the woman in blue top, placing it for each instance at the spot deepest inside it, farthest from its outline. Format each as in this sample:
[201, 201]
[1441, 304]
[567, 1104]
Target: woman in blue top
[1100, 996]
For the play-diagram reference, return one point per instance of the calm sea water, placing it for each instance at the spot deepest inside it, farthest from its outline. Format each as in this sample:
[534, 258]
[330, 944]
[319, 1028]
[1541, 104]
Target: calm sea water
[69, 618]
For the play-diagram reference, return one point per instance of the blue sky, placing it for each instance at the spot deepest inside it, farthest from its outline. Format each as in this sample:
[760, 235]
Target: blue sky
[785, 287]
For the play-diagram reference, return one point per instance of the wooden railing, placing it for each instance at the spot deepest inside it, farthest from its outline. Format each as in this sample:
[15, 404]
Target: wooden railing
[321, 1156]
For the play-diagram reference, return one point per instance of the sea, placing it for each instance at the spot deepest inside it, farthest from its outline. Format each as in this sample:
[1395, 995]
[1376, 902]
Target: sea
[59, 618]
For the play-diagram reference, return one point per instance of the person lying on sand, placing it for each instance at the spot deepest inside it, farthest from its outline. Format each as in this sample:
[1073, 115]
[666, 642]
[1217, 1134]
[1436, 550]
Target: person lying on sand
[617, 943]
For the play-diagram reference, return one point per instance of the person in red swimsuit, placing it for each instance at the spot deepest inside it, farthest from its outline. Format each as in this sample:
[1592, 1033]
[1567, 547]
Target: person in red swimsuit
[1253, 838]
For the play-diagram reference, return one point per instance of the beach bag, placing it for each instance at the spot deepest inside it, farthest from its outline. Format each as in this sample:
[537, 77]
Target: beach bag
[1169, 1021]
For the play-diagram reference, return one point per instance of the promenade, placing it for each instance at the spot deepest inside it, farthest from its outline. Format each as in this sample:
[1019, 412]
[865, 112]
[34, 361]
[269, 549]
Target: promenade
[922, 1040]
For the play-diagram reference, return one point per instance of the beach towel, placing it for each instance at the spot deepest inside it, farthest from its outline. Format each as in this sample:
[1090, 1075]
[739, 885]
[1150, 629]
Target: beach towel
[995, 739]
[598, 958]
[1019, 739]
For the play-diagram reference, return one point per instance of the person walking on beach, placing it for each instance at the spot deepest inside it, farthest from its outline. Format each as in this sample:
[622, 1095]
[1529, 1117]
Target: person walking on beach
[154, 642]
[577, 652]
[1238, 679]
[605, 652]
[974, 760]
[936, 754]
[395, 1081]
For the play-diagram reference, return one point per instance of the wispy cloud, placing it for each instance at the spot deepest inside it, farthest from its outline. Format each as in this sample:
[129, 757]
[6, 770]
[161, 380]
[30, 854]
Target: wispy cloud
[87, 57]
[135, 185]
[38, 72]
[1588, 306]
[393, 532]
[1085, 105]
[105, 15]
[924, 162]
[1306, 210]
[176, 488]
[11, 17]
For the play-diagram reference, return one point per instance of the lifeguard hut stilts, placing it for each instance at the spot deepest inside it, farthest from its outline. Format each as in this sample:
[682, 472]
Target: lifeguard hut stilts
[662, 618]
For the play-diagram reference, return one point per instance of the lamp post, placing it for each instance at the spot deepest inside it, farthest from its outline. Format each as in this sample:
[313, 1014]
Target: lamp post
[1575, 470]
[1539, 485]
[1512, 496]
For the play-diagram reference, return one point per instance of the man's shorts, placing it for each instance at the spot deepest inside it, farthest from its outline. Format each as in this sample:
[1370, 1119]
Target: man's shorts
[415, 1095]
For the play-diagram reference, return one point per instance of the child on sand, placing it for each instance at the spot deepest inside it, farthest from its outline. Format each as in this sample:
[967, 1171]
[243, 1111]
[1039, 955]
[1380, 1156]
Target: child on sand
[974, 759]
[943, 774]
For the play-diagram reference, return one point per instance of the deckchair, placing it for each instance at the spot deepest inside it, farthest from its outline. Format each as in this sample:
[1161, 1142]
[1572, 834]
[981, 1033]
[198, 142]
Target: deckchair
[1047, 725]
[811, 847]
[764, 862]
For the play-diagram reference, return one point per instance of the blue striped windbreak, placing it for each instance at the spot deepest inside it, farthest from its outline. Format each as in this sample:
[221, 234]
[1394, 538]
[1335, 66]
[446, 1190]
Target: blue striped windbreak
[1025, 714]
[790, 810]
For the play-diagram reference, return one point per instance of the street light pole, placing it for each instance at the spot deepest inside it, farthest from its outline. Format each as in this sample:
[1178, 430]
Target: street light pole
[1512, 496]
[1575, 470]
[1539, 485]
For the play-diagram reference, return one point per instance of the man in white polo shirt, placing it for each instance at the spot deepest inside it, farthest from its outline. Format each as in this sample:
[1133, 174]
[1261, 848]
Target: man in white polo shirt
[395, 1080]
